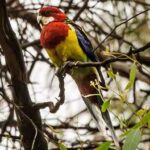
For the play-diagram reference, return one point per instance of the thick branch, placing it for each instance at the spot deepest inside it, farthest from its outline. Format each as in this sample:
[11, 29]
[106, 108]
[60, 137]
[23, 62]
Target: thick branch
[29, 120]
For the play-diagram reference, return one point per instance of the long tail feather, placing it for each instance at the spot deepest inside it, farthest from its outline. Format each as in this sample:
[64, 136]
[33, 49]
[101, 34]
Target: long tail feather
[105, 115]
[107, 120]
[94, 103]
[95, 114]
[100, 118]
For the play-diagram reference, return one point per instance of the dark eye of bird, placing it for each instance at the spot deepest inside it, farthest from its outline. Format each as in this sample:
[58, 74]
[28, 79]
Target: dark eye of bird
[46, 13]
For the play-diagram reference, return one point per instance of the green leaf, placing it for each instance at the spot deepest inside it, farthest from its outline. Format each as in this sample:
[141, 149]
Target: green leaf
[104, 146]
[111, 74]
[132, 77]
[62, 146]
[144, 120]
[141, 112]
[132, 140]
[105, 105]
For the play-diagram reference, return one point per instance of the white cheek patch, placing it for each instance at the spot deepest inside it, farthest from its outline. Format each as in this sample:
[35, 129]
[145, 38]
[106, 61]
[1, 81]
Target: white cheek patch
[47, 20]
[51, 19]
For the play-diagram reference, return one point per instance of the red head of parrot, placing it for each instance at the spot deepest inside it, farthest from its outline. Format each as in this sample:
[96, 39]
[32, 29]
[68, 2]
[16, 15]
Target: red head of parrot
[53, 29]
[51, 14]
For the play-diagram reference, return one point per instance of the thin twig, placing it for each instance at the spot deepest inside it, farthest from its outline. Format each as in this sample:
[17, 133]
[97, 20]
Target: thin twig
[119, 26]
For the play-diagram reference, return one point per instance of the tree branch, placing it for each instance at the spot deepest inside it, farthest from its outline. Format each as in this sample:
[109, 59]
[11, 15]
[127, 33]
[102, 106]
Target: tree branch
[29, 120]
[134, 16]
[81, 10]
[53, 108]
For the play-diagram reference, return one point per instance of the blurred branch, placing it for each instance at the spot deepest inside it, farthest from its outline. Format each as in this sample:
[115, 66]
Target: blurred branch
[81, 10]
[11, 136]
[6, 123]
[69, 126]
[127, 20]
[22, 13]
[124, 70]
[33, 43]
[141, 49]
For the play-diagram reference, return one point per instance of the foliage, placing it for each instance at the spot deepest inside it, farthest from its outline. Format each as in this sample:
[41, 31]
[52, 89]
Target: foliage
[132, 140]
[104, 146]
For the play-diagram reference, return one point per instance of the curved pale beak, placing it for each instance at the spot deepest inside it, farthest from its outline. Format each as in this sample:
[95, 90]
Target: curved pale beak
[39, 20]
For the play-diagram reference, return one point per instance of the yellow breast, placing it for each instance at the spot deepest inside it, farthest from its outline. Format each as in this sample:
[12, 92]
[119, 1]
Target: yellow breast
[69, 49]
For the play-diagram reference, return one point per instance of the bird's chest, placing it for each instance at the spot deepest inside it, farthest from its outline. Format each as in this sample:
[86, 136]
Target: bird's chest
[67, 49]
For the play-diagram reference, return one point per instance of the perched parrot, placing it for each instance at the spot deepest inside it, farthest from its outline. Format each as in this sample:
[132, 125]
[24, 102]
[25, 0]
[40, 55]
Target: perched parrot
[65, 41]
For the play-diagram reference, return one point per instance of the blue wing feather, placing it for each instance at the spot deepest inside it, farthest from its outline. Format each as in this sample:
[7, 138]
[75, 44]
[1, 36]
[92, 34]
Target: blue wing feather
[84, 42]
[87, 48]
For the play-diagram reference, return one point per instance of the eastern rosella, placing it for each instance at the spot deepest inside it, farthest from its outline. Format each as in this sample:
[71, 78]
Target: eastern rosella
[65, 41]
